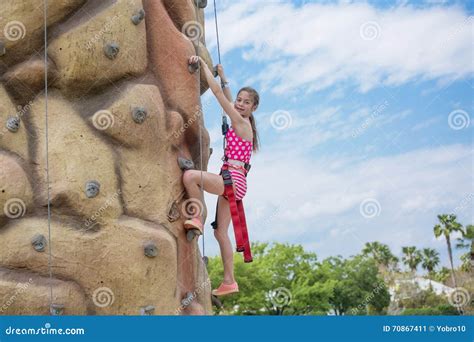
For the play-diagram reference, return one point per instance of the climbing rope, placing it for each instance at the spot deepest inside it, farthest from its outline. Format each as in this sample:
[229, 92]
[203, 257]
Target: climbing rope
[47, 155]
[200, 131]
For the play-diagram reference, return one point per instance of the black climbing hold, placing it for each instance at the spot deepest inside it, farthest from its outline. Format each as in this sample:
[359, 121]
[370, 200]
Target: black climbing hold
[205, 259]
[173, 213]
[193, 67]
[138, 17]
[215, 71]
[139, 114]
[13, 124]
[147, 310]
[2, 48]
[200, 3]
[185, 164]
[111, 50]
[210, 151]
[216, 301]
[56, 309]
[187, 300]
[92, 188]
[39, 243]
[151, 250]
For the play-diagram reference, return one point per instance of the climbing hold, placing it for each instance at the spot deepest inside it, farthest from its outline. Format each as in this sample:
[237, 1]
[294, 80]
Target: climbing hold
[56, 309]
[138, 17]
[151, 250]
[38, 242]
[200, 3]
[205, 259]
[193, 67]
[13, 124]
[216, 301]
[173, 213]
[111, 50]
[215, 71]
[147, 310]
[210, 151]
[185, 164]
[191, 234]
[139, 114]
[187, 300]
[2, 48]
[92, 188]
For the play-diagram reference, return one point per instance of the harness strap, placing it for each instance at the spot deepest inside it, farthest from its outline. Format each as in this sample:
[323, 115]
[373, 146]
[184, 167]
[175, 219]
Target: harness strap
[238, 216]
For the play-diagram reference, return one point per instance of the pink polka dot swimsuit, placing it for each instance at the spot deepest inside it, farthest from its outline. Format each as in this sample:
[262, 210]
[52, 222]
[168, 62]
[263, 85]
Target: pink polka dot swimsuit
[238, 149]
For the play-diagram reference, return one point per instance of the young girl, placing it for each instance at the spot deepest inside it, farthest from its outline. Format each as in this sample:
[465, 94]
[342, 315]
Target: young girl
[241, 140]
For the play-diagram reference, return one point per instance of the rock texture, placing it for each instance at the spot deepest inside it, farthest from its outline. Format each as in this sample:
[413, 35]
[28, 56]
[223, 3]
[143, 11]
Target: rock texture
[121, 107]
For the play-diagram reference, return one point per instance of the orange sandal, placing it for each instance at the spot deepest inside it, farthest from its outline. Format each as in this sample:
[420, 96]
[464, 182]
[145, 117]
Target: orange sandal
[226, 289]
[194, 223]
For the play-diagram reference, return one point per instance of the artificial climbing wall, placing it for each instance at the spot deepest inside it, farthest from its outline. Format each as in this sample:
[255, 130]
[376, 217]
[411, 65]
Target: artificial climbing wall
[115, 110]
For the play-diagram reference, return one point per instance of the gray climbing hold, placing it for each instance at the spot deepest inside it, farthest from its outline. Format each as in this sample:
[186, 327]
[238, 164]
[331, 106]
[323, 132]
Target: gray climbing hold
[147, 310]
[13, 124]
[200, 3]
[56, 309]
[210, 151]
[139, 114]
[111, 50]
[173, 213]
[193, 67]
[39, 243]
[205, 259]
[151, 250]
[187, 300]
[2, 48]
[185, 164]
[138, 17]
[92, 188]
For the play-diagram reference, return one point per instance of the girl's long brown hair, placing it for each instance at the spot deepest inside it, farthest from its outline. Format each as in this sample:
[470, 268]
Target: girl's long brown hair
[256, 101]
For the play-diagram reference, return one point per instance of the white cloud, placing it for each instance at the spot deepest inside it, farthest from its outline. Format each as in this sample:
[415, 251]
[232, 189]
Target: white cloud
[313, 47]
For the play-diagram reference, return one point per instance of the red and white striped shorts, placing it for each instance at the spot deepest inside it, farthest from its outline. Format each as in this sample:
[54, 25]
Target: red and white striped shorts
[240, 182]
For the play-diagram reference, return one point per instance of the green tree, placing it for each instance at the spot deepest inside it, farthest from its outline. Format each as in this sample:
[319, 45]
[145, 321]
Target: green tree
[411, 258]
[447, 226]
[467, 241]
[381, 254]
[429, 259]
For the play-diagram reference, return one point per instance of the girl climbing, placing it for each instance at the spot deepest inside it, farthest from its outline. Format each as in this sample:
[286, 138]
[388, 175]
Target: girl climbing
[241, 141]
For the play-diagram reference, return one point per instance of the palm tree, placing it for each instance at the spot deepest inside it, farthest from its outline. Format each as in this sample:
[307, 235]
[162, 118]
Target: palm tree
[381, 254]
[467, 241]
[446, 227]
[411, 258]
[430, 259]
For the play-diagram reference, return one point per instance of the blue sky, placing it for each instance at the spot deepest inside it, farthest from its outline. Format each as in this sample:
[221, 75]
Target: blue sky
[364, 105]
